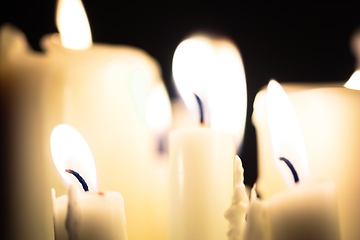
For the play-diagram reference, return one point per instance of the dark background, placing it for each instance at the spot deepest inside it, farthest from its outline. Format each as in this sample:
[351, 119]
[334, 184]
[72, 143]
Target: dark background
[291, 43]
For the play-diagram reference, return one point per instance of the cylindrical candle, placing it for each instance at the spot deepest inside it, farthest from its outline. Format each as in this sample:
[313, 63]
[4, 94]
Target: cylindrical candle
[328, 117]
[27, 207]
[201, 183]
[89, 215]
[304, 212]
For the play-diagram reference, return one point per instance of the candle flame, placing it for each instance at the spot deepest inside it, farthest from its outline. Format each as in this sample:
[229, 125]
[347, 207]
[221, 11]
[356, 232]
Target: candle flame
[354, 81]
[213, 69]
[73, 25]
[158, 110]
[286, 135]
[69, 150]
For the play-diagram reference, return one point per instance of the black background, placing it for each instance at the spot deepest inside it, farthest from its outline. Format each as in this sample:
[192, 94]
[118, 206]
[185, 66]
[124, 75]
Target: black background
[291, 43]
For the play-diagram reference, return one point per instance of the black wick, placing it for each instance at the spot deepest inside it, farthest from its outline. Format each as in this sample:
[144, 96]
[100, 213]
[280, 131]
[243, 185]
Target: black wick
[79, 178]
[293, 171]
[200, 108]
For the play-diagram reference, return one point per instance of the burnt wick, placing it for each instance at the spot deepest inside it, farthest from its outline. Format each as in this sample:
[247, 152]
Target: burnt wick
[200, 108]
[293, 171]
[79, 178]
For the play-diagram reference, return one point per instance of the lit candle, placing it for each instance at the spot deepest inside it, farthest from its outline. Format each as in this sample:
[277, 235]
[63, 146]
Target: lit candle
[300, 209]
[202, 158]
[103, 92]
[83, 215]
[328, 118]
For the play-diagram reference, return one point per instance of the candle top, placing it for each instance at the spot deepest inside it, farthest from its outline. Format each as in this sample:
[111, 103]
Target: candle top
[212, 68]
[286, 136]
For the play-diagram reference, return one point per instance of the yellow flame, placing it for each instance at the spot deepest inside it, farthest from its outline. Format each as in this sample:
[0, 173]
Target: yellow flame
[73, 25]
[69, 150]
[285, 132]
[158, 110]
[354, 81]
[213, 69]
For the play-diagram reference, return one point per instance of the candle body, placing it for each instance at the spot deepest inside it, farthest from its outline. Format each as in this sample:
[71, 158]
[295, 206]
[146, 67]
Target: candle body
[328, 118]
[102, 92]
[22, 162]
[305, 212]
[201, 183]
[89, 215]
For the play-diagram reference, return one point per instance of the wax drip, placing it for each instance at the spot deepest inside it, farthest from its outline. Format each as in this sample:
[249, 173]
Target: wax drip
[293, 171]
[200, 108]
[79, 178]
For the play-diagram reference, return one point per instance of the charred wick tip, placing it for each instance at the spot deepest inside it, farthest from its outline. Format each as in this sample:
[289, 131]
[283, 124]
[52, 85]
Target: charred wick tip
[292, 169]
[200, 108]
[79, 178]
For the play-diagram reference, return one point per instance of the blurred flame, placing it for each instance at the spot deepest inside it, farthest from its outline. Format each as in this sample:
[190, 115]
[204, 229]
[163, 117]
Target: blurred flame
[69, 150]
[73, 25]
[285, 134]
[158, 110]
[354, 81]
[213, 69]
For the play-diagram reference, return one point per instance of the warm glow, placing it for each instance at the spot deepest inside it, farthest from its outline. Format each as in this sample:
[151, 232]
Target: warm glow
[286, 134]
[354, 81]
[193, 61]
[73, 25]
[158, 110]
[69, 150]
[213, 69]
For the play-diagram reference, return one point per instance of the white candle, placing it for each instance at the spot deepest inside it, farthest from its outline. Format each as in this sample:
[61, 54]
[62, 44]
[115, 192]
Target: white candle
[302, 213]
[23, 162]
[328, 117]
[83, 215]
[202, 158]
[302, 209]
[103, 92]
[201, 183]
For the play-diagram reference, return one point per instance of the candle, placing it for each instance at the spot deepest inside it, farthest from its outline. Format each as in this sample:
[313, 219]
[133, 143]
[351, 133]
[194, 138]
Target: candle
[328, 118]
[302, 209]
[23, 163]
[202, 158]
[305, 212]
[104, 91]
[83, 215]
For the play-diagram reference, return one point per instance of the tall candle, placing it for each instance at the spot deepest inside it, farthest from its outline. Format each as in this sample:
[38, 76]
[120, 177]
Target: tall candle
[202, 158]
[328, 117]
[83, 215]
[102, 91]
[25, 189]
